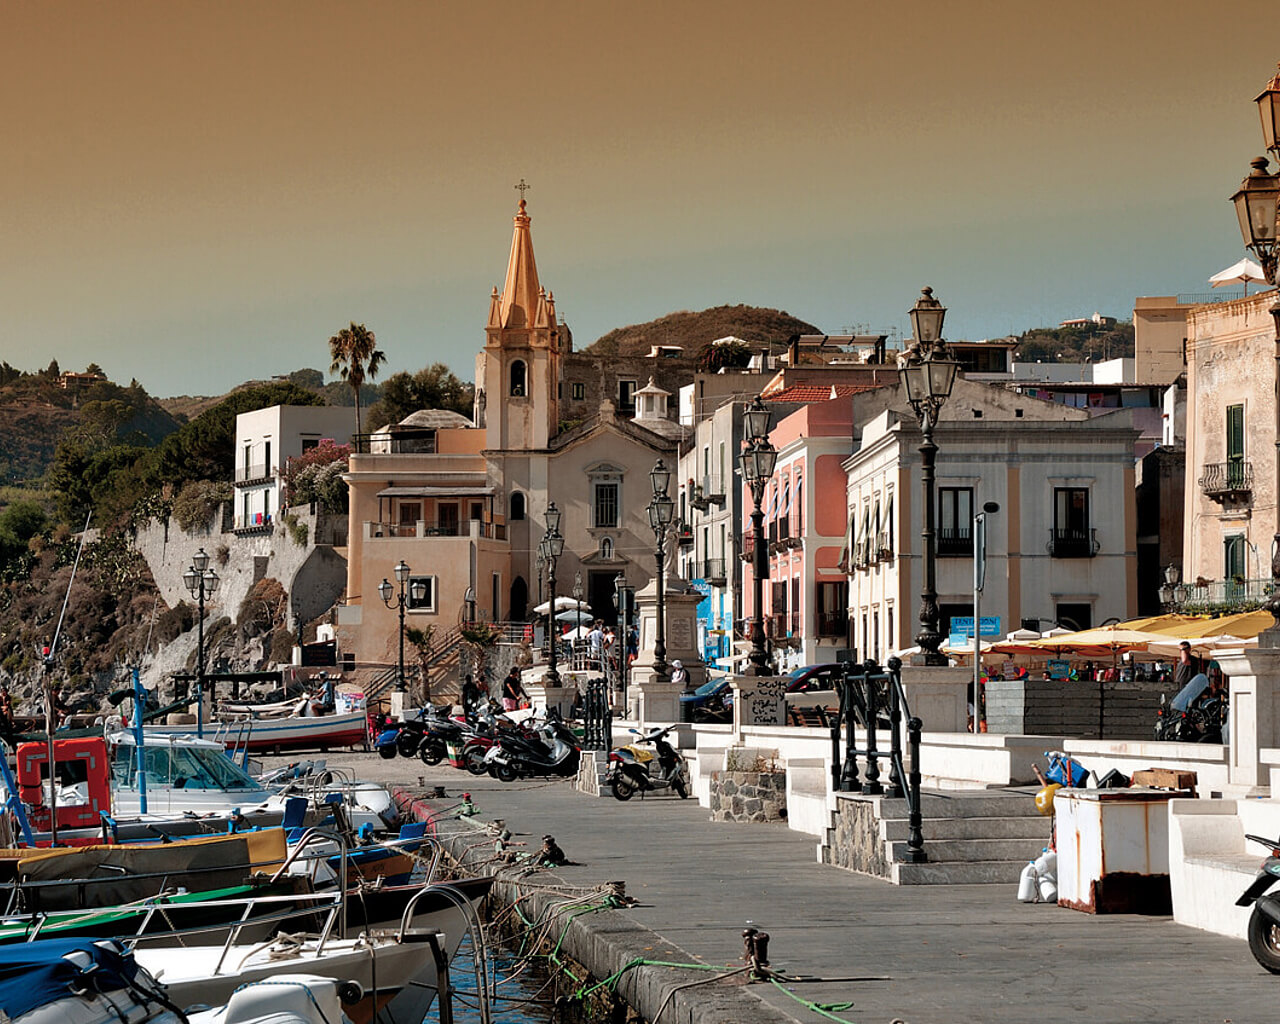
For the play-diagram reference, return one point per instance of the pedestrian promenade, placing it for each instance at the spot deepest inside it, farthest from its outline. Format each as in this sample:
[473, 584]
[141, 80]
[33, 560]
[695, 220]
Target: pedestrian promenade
[922, 954]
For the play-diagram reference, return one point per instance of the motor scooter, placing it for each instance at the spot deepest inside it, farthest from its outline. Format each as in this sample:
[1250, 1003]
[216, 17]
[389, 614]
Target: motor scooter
[551, 750]
[1264, 922]
[631, 767]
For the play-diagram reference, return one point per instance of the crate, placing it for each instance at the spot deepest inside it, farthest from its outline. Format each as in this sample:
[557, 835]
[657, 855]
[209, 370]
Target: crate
[1167, 778]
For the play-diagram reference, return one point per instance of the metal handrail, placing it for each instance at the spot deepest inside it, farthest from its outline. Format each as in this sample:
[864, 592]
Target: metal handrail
[306, 839]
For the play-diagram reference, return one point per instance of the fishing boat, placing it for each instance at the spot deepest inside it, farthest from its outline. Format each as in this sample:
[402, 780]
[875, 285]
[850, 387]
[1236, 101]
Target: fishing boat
[305, 723]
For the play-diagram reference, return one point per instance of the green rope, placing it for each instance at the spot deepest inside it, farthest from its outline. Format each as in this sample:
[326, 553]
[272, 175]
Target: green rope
[819, 1008]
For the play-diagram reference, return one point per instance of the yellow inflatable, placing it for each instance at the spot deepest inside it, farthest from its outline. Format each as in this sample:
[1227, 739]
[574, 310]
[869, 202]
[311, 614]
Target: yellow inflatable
[1044, 799]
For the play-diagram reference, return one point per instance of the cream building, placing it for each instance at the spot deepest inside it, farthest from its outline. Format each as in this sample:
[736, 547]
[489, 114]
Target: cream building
[1062, 547]
[464, 503]
[1230, 489]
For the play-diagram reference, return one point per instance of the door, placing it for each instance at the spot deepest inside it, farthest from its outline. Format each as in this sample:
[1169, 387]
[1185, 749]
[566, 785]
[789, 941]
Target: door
[448, 519]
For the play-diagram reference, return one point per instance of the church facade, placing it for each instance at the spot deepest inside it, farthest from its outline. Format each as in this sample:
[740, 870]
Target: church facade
[464, 504]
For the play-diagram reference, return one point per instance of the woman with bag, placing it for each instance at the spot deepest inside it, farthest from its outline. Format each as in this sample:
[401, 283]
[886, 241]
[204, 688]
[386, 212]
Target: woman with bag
[512, 691]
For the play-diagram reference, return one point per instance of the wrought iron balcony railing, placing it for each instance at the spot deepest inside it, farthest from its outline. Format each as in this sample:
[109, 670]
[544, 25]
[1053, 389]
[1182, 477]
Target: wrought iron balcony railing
[955, 541]
[1227, 480]
[1072, 543]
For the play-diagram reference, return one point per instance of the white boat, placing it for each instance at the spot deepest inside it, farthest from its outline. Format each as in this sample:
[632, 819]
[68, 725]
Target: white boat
[294, 726]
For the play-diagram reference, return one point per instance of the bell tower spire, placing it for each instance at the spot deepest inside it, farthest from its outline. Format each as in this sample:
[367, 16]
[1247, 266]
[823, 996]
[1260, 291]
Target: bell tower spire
[520, 292]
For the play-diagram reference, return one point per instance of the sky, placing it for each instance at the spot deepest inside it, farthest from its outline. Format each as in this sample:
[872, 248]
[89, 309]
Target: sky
[198, 194]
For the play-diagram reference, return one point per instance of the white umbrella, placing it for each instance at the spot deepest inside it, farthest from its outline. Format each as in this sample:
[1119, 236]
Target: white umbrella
[1202, 646]
[581, 633]
[1239, 273]
[562, 602]
[575, 615]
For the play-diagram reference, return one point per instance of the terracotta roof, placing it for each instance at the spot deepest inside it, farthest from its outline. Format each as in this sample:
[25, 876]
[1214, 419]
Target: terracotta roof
[817, 392]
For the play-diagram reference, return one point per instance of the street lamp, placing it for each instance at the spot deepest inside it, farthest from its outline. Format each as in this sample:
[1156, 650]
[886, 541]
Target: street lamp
[201, 582]
[979, 581]
[661, 510]
[540, 563]
[417, 594]
[757, 462]
[1258, 208]
[927, 372]
[552, 549]
[623, 601]
[577, 596]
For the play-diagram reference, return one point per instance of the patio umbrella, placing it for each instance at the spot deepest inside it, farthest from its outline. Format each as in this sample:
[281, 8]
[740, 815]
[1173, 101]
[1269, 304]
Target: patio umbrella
[575, 615]
[1239, 273]
[1243, 624]
[1201, 646]
[580, 633]
[562, 603]
[1098, 643]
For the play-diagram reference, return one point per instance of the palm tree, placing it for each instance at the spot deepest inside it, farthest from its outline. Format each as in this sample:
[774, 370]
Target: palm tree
[355, 357]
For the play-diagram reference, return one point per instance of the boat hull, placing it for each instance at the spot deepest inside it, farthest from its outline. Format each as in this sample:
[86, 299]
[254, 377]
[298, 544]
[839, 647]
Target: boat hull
[289, 733]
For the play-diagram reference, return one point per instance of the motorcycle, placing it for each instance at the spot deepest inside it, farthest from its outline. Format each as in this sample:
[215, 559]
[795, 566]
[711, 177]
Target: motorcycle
[1264, 922]
[631, 767]
[1195, 715]
[551, 750]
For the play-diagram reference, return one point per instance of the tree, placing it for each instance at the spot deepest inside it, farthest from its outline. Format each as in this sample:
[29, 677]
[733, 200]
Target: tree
[423, 641]
[435, 387]
[355, 357]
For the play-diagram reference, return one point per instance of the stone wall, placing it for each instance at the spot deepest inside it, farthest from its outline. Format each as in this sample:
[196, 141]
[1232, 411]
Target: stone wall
[1079, 708]
[749, 796]
[855, 844]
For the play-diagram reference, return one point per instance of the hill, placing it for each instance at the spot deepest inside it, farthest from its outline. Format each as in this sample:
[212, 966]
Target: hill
[753, 324]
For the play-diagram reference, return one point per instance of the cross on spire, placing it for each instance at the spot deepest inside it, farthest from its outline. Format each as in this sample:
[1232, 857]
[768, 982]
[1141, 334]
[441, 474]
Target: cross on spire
[522, 188]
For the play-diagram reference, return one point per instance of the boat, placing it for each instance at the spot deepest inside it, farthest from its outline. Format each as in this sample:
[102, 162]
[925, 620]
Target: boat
[305, 723]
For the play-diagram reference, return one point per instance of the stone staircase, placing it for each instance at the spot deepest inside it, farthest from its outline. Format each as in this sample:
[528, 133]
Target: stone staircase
[983, 836]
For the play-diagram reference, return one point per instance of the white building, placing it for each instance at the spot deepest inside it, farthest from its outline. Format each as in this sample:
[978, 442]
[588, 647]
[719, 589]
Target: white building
[1062, 547]
[265, 441]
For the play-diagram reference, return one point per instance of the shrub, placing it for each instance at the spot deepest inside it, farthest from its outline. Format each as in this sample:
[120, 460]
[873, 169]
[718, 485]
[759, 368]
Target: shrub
[197, 503]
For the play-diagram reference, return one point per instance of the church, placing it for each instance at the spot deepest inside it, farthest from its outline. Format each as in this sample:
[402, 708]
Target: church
[463, 503]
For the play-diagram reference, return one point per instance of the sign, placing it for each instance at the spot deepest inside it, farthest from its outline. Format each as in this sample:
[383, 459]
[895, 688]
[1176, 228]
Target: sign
[962, 625]
[1059, 668]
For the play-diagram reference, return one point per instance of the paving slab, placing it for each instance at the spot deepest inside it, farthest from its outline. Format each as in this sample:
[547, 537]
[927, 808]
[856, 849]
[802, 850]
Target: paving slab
[923, 955]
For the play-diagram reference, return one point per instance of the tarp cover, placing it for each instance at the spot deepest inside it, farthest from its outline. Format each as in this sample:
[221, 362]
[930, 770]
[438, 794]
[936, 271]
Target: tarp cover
[33, 974]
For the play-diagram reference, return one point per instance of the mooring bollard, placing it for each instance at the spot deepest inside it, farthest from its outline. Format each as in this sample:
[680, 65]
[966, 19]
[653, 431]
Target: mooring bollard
[438, 792]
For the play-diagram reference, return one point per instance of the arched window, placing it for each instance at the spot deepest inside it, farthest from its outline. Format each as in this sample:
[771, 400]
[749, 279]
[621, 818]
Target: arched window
[606, 548]
[519, 383]
[517, 506]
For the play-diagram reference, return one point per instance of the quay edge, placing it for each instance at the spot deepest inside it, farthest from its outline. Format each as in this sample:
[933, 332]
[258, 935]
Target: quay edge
[606, 941]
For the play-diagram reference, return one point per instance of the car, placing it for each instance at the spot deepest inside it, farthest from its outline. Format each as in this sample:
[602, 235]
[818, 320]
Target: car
[816, 677]
[712, 701]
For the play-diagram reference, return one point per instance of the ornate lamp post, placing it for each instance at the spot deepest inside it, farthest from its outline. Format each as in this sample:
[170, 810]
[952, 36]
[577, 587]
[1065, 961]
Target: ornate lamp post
[757, 462]
[417, 594]
[1257, 205]
[661, 510]
[540, 563]
[577, 596]
[623, 600]
[201, 582]
[552, 549]
[927, 372]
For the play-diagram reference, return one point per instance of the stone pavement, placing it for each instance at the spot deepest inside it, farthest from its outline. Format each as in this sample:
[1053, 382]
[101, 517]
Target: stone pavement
[923, 954]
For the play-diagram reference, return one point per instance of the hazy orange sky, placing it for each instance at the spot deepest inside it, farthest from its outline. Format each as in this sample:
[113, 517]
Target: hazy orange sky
[198, 194]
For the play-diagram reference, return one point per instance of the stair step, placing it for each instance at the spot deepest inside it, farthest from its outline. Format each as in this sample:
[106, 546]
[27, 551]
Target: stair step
[974, 872]
[946, 851]
[970, 828]
[1005, 804]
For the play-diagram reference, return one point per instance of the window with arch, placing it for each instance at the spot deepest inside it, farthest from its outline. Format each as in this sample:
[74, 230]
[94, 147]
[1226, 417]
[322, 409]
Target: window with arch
[519, 379]
[606, 548]
[517, 506]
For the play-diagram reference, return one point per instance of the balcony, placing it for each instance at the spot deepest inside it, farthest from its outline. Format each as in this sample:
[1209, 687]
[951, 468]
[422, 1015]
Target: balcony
[711, 569]
[423, 528]
[256, 473]
[1227, 481]
[955, 542]
[833, 624]
[256, 522]
[1072, 543]
[1217, 597]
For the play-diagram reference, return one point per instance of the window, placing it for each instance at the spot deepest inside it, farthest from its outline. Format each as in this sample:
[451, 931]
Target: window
[955, 521]
[477, 510]
[832, 607]
[578, 392]
[447, 519]
[627, 396]
[606, 507]
[519, 382]
[517, 506]
[409, 514]
[266, 457]
[891, 641]
[309, 443]
[1072, 537]
[1233, 566]
[1074, 616]
[428, 602]
[1235, 446]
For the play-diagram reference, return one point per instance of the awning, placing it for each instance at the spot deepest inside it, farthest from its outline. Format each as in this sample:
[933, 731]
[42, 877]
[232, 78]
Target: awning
[433, 492]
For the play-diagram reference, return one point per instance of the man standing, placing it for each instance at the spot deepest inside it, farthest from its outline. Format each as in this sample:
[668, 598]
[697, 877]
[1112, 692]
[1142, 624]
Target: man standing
[595, 640]
[1186, 667]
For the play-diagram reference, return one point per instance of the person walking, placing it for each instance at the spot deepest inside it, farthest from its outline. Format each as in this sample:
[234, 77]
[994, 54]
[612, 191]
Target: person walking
[595, 641]
[471, 698]
[513, 691]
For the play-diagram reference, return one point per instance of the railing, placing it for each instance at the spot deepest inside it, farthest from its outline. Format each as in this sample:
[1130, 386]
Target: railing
[257, 471]
[1236, 594]
[833, 624]
[1073, 543]
[422, 528]
[1207, 298]
[955, 541]
[793, 624]
[712, 569]
[1223, 479]
[867, 693]
[255, 521]
[597, 717]
[387, 678]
